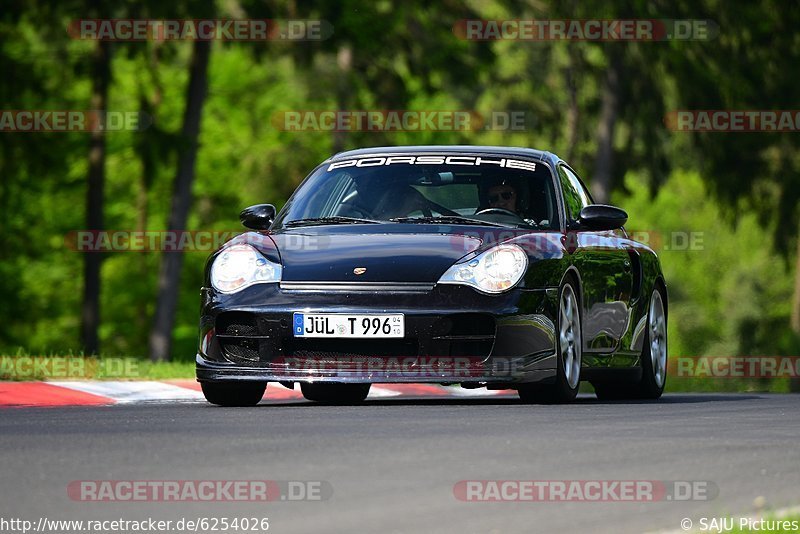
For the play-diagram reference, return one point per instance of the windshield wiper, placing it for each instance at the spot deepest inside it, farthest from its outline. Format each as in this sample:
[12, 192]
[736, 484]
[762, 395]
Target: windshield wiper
[446, 219]
[329, 220]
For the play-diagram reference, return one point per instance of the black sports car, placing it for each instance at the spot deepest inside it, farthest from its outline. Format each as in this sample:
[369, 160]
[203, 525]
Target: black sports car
[479, 266]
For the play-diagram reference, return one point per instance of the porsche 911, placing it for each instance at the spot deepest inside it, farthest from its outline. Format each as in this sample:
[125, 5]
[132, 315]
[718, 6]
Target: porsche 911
[469, 266]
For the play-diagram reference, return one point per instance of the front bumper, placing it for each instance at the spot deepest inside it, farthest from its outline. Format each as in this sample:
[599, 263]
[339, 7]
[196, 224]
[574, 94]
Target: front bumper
[453, 334]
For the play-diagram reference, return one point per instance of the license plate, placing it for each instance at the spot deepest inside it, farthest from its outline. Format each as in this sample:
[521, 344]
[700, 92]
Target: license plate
[346, 325]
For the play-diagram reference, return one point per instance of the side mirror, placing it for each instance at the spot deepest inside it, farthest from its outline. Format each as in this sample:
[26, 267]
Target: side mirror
[602, 217]
[258, 217]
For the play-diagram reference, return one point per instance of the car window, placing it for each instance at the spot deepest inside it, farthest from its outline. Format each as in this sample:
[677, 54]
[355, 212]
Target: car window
[331, 193]
[491, 189]
[581, 187]
[576, 197]
[454, 196]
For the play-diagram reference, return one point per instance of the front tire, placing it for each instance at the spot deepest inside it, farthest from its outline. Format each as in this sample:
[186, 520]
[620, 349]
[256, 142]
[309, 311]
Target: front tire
[569, 355]
[233, 393]
[335, 393]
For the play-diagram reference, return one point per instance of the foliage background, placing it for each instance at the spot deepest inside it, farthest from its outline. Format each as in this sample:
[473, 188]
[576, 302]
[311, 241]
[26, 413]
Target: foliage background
[732, 297]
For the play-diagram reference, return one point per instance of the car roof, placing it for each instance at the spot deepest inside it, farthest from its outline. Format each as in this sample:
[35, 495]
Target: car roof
[443, 149]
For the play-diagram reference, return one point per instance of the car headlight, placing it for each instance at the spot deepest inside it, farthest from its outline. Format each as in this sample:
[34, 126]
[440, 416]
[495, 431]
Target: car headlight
[239, 266]
[492, 271]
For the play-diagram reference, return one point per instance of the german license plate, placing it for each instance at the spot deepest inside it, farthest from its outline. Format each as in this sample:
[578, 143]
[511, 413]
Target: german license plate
[342, 325]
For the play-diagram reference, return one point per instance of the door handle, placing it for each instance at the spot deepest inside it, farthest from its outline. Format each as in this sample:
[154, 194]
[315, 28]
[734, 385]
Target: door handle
[627, 265]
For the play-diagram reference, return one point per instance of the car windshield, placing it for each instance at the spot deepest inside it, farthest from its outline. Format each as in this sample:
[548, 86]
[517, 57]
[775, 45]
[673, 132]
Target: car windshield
[425, 189]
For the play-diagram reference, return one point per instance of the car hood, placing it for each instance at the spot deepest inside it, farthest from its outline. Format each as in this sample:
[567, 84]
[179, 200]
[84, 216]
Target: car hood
[385, 252]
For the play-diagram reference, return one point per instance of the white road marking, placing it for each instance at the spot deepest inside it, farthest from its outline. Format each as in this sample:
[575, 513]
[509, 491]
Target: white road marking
[479, 392]
[128, 392]
[378, 393]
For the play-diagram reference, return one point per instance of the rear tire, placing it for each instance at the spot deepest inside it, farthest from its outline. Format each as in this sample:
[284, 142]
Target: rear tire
[335, 393]
[653, 360]
[569, 350]
[233, 393]
[654, 352]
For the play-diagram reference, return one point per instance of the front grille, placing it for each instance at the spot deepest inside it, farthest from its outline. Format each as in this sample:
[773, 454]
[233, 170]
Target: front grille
[359, 287]
[261, 339]
[464, 334]
[242, 350]
[238, 335]
[237, 324]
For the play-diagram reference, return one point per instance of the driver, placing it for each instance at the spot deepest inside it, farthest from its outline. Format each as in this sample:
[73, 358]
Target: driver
[504, 196]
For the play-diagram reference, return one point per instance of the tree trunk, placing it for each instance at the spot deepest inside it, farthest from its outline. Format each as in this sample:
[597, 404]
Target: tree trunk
[171, 262]
[148, 149]
[90, 310]
[344, 61]
[796, 299]
[604, 161]
[573, 110]
[148, 105]
[794, 383]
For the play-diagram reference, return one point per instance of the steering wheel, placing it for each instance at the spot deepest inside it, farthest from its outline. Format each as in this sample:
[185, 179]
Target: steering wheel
[498, 211]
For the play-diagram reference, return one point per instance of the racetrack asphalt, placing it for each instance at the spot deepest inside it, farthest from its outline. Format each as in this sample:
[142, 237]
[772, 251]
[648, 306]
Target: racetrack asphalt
[393, 463]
